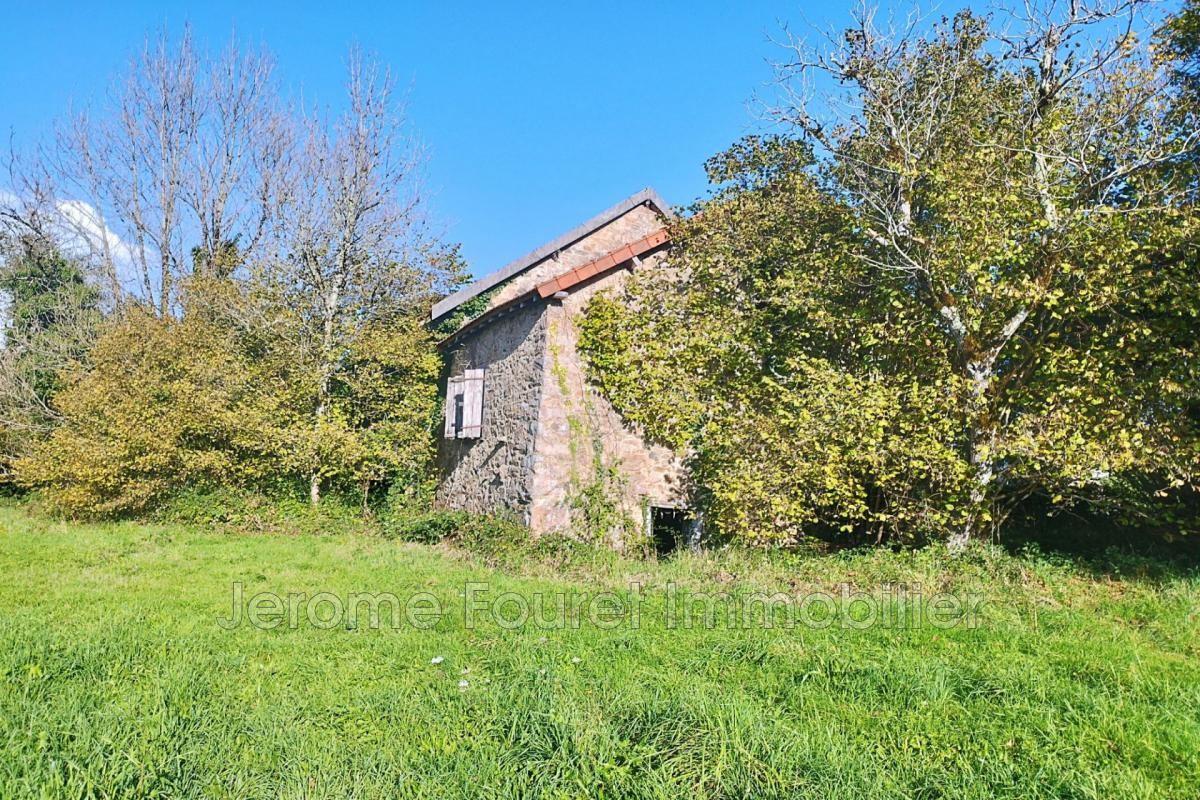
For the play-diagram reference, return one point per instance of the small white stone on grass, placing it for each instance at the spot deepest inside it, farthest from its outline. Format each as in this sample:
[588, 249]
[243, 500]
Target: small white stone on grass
[463, 684]
[576, 660]
[436, 660]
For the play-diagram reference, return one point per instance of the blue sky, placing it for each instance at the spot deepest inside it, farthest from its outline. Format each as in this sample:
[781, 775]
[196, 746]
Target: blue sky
[534, 117]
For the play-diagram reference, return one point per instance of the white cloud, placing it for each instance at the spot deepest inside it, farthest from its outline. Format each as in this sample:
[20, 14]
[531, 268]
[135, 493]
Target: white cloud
[87, 231]
[80, 230]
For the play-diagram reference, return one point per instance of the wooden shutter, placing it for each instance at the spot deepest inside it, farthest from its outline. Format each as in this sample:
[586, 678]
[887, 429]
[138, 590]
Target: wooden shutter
[454, 391]
[472, 418]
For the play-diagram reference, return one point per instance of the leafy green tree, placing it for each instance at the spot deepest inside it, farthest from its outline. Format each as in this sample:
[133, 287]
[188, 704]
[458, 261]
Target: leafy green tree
[966, 283]
[1181, 48]
[220, 398]
[162, 404]
[357, 256]
[50, 315]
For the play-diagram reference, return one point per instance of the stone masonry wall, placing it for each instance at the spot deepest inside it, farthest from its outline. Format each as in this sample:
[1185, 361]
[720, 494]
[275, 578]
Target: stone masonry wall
[628, 227]
[553, 451]
[584, 450]
[493, 474]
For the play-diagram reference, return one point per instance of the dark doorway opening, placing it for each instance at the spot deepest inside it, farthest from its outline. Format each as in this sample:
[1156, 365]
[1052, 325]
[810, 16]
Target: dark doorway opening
[668, 529]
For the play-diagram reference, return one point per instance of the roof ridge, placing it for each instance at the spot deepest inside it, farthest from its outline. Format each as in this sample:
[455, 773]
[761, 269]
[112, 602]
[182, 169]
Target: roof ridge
[513, 268]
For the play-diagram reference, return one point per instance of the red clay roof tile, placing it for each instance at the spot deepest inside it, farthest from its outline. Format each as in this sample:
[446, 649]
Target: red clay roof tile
[603, 264]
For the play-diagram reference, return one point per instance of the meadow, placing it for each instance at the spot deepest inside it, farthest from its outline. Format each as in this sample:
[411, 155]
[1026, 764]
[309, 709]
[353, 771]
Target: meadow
[1078, 678]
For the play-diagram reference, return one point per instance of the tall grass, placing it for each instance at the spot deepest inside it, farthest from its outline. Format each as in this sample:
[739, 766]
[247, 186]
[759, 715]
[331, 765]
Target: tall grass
[1083, 680]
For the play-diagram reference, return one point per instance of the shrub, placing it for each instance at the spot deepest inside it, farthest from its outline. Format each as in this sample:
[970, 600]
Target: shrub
[249, 511]
[494, 538]
[209, 402]
[430, 527]
[164, 404]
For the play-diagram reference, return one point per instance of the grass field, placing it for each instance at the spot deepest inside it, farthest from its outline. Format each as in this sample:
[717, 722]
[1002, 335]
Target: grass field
[1080, 680]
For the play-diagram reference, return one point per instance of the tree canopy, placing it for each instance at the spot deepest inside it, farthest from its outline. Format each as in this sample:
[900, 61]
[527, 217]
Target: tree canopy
[965, 280]
[263, 270]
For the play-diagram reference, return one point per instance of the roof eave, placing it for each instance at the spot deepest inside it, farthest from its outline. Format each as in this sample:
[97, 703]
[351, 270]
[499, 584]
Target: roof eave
[561, 284]
[514, 268]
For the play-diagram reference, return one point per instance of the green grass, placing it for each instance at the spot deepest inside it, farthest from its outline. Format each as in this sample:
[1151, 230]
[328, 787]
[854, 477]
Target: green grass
[1083, 680]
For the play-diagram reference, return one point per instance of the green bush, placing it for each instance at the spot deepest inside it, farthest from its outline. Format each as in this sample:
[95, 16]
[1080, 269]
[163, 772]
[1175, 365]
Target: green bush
[165, 405]
[430, 527]
[494, 538]
[250, 511]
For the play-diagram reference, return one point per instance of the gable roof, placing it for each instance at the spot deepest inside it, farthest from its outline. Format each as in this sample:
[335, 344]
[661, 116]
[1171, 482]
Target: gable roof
[514, 268]
[606, 262]
[565, 281]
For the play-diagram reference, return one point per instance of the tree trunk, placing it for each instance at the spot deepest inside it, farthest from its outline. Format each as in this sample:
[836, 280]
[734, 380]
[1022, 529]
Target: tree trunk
[979, 501]
[323, 385]
[314, 481]
[981, 436]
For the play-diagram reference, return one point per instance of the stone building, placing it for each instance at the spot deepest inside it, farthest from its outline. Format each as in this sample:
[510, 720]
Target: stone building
[525, 434]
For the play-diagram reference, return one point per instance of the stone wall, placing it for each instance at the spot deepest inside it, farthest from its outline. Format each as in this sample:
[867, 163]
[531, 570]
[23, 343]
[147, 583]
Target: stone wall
[629, 227]
[553, 452]
[493, 474]
[585, 449]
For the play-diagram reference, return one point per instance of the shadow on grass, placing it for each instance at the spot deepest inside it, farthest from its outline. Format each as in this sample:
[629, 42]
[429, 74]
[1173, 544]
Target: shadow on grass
[1100, 548]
